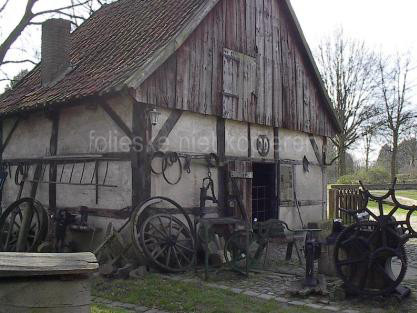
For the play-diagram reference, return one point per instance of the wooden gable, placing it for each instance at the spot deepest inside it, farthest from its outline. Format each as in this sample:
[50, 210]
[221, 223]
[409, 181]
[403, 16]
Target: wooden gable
[213, 72]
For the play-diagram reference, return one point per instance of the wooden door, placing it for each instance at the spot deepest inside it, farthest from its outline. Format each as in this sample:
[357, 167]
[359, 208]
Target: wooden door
[241, 173]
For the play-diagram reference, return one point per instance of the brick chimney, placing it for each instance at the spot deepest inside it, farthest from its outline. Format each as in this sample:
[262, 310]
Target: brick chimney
[55, 50]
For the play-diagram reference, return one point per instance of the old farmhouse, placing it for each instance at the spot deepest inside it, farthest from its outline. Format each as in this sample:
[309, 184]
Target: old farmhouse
[144, 97]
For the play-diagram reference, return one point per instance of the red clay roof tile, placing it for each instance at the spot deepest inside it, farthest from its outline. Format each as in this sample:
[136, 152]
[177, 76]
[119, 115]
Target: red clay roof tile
[106, 50]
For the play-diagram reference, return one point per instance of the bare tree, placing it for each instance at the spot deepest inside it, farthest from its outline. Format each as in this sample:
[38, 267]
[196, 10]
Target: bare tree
[395, 90]
[369, 136]
[410, 149]
[74, 10]
[348, 69]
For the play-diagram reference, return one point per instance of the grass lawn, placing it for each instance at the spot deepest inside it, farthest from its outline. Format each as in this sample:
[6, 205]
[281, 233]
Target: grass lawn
[101, 309]
[155, 291]
[387, 208]
[412, 194]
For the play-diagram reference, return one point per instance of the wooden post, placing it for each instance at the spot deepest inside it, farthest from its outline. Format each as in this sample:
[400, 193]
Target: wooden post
[332, 203]
[277, 172]
[221, 152]
[53, 150]
[141, 169]
[324, 179]
[1, 160]
[28, 215]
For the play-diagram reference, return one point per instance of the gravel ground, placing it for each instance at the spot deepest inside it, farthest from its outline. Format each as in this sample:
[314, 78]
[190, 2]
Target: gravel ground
[277, 278]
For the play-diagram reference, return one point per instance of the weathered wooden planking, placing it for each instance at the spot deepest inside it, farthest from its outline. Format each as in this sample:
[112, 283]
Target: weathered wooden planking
[231, 63]
[268, 62]
[183, 75]
[239, 86]
[286, 117]
[260, 44]
[277, 67]
[252, 27]
[217, 46]
[244, 185]
[299, 93]
[207, 70]
[232, 39]
[250, 11]
[46, 264]
[307, 104]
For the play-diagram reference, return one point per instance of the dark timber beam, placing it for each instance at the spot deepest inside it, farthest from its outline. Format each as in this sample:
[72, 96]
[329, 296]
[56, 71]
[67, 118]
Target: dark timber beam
[141, 168]
[316, 149]
[277, 172]
[249, 142]
[166, 129]
[1, 160]
[221, 152]
[117, 119]
[53, 150]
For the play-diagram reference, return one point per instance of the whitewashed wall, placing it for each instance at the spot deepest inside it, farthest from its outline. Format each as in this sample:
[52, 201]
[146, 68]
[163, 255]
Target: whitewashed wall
[89, 129]
[193, 133]
[82, 129]
[309, 186]
[30, 139]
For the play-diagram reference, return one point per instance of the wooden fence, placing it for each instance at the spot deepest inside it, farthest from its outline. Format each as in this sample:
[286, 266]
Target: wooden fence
[349, 197]
[344, 197]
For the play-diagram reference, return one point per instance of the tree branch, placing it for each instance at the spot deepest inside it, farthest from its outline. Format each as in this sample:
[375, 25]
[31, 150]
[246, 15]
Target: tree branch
[19, 62]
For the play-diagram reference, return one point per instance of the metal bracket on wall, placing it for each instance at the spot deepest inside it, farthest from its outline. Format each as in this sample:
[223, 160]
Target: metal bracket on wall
[244, 175]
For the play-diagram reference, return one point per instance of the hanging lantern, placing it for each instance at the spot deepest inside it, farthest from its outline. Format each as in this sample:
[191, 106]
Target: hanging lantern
[154, 116]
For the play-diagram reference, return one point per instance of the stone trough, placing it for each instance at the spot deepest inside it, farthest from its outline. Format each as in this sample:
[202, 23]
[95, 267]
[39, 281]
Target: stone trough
[46, 283]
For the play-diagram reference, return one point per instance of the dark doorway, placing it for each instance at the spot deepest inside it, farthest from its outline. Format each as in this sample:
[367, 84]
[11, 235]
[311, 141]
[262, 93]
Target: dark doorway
[264, 204]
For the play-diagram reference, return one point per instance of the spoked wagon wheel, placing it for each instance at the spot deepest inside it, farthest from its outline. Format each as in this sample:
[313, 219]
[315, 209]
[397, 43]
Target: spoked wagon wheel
[11, 222]
[164, 239]
[167, 242]
[235, 251]
[370, 260]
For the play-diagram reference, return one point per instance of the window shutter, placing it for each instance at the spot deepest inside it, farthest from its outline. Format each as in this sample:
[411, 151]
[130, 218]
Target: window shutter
[239, 85]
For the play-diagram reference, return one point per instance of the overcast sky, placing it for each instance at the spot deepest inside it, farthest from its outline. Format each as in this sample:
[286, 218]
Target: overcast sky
[385, 25]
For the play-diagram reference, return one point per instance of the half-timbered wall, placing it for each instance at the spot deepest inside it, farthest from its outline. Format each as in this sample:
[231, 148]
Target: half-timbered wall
[83, 130]
[195, 134]
[212, 73]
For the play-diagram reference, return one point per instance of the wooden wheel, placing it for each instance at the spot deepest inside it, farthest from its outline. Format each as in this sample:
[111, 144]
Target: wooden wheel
[11, 221]
[235, 251]
[369, 260]
[167, 242]
[144, 210]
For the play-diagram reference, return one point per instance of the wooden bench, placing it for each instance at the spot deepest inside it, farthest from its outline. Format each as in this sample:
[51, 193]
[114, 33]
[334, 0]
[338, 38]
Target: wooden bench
[46, 283]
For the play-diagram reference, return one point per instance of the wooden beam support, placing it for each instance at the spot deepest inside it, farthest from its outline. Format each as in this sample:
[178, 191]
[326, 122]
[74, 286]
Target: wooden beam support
[324, 179]
[1, 160]
[141, 167]
[166, 129]
[316, 149]
[79, 158]
[10, 134]
[301, 203]
[53, 150]
[249, 142]
[221, 152]
[117, 119]
[277, 172]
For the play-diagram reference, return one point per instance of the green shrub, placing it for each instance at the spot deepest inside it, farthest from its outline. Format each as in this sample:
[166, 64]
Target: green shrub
[374, 175]
[348, 179]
